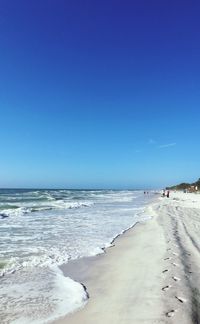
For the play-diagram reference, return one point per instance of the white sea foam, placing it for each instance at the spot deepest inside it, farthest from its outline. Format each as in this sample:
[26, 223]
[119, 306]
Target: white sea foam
[44, 293]
[33, 207]
[65, 225]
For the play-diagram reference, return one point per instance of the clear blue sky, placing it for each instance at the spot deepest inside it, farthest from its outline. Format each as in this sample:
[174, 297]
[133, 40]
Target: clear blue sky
[99, 93]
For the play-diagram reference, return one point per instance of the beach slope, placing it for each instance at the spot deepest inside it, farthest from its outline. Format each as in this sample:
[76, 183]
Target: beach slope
[151, 274]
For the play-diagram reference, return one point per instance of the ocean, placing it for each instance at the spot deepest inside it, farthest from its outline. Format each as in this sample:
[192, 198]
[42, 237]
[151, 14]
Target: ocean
[42, 229]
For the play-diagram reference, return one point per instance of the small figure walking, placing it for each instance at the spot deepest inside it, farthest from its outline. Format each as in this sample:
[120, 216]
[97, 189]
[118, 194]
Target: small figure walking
[167, 193]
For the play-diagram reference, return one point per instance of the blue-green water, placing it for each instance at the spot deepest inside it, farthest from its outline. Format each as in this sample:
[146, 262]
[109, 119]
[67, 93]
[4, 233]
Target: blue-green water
[41, 229]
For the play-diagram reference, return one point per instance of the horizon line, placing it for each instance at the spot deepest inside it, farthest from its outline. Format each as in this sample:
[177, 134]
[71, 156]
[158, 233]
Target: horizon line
[35, 188]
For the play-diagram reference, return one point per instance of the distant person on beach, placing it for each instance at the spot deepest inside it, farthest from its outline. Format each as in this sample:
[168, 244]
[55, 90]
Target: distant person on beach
[163, 193]
[167, 193]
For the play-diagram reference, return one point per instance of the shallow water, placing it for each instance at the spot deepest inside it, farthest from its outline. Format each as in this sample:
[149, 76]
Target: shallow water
[42, 229]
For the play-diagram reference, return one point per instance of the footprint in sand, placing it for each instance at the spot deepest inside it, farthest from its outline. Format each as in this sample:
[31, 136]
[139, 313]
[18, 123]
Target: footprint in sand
[175, 264]
[170, 313]
[165, 288]
[176, 278]
[180, 299]
[165, 270]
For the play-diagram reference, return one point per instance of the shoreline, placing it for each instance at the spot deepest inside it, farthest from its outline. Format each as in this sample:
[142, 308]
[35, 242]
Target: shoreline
[151, 274]
[74, 268]
[69, 269]
[87, 270]
[60, 295]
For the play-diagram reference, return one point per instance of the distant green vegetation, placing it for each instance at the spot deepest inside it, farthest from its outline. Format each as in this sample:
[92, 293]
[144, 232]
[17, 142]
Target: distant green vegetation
[185, 185]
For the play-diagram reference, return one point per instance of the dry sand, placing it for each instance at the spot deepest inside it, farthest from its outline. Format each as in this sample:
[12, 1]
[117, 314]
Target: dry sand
[151, 275]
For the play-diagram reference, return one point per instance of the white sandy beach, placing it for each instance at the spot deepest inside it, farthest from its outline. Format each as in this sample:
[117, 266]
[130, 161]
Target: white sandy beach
[151, 274]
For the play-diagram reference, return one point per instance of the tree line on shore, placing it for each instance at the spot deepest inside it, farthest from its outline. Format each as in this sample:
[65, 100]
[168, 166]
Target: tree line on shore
[185, 186]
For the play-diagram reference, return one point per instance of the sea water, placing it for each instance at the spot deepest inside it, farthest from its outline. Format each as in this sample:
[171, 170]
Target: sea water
[42, 229]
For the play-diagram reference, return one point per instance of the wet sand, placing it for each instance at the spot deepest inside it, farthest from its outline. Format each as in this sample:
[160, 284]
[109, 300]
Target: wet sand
[151, 274]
